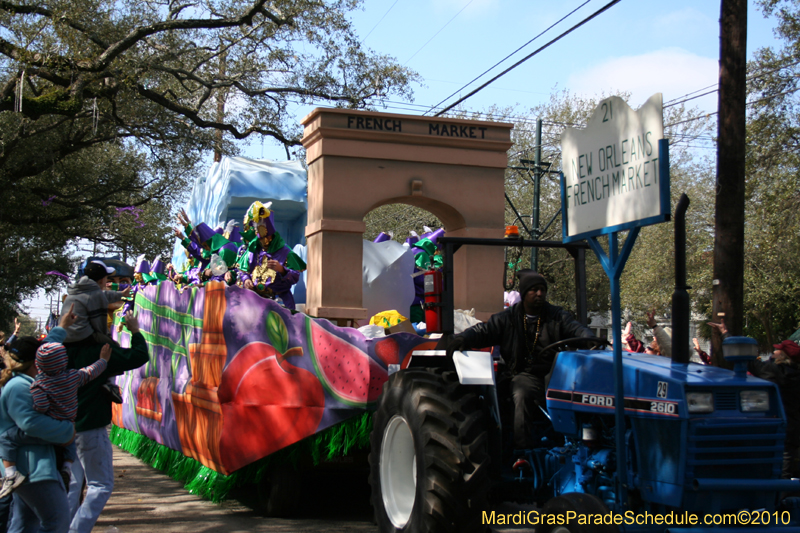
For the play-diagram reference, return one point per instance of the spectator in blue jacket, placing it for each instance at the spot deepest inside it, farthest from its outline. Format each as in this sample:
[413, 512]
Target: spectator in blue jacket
[42, 501]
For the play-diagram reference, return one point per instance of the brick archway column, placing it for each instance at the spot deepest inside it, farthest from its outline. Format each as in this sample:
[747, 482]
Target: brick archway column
[360, 160]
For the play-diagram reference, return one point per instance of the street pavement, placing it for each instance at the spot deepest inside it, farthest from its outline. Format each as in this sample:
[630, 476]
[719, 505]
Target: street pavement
[146, 500]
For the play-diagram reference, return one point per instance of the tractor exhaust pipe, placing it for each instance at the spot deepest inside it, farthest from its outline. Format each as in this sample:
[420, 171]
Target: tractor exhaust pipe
[680, 298]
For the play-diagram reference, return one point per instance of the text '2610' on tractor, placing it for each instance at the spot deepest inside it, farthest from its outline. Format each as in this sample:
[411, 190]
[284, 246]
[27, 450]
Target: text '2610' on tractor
[703, 446]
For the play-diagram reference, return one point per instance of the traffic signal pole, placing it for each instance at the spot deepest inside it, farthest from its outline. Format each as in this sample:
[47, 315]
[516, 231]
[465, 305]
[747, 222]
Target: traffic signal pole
[537, 178]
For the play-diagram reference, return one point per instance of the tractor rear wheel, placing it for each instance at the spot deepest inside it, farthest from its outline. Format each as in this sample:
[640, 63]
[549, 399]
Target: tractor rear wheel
[429, 455]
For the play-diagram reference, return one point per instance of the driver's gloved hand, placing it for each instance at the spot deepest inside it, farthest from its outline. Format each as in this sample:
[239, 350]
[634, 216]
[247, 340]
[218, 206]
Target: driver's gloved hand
[455, 345]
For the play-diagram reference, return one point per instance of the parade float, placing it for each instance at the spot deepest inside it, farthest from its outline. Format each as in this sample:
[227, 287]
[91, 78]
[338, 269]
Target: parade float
[238, 387]
[234, 378]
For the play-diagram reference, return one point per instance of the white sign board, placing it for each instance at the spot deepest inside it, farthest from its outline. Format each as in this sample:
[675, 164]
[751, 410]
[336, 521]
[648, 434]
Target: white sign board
[614, 175]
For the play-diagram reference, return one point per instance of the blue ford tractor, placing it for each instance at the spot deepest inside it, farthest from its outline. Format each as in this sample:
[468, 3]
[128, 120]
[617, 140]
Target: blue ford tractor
[703, 446]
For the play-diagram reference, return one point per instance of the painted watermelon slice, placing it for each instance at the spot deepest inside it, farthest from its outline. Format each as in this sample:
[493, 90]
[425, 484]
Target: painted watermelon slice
[346, 372]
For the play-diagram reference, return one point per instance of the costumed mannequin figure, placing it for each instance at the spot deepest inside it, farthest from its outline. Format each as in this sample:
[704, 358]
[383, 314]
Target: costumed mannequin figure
[411, 239]
[425, 258]
[232, 232]
[383, 237]
[142, 267]
[157, 272]
[267, 265]
[187, 239]
[426, 232]
[199, 245]
[191, 236]
[190, 275]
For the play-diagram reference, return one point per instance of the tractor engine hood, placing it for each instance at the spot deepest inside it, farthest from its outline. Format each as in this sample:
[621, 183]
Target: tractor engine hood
[582, 381]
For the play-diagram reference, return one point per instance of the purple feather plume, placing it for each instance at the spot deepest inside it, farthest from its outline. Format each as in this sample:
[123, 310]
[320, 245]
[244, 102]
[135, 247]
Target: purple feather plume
[57, 273]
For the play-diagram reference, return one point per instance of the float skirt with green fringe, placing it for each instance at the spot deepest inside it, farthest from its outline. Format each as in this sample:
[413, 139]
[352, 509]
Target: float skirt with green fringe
[336, 441]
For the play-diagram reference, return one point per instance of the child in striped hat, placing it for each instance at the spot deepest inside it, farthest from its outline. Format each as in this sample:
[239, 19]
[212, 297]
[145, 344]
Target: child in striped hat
[55, 393]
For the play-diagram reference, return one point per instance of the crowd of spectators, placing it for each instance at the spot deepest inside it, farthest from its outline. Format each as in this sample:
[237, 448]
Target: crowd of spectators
[782, 368]
[54, 435]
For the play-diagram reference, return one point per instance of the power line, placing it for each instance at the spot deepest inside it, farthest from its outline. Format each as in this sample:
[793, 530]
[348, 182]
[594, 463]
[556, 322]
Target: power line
[748, 104]
[776, 69]
[770, 97]
[511, 54]
[669, 103]
[409, 106]
[691, 93]
[749, 78]
[520, 120]
[376, 24]
[493, 88]
[691, 98]
[569, 124]
[691, 119]
[524, 59]
[412, 107]
[438, 32]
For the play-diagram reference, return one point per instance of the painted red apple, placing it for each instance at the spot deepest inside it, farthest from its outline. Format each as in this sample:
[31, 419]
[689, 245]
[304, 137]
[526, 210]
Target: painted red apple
[387, 351]
[267, 404]
[426, 345]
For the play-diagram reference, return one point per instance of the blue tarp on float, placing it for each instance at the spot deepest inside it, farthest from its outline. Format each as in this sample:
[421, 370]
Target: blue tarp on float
[236, 182]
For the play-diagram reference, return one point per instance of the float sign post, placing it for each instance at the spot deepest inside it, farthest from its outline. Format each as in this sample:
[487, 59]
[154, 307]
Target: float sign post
[615, 177]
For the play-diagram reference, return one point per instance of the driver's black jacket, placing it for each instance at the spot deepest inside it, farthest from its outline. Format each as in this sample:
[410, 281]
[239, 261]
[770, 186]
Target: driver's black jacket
[507, 329]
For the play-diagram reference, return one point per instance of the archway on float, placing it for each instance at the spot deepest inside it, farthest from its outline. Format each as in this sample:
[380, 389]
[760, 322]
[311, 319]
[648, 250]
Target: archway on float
[359, 160]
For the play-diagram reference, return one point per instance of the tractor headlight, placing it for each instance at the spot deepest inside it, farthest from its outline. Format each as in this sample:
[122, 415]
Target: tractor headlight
[700, 402]
[754, 400]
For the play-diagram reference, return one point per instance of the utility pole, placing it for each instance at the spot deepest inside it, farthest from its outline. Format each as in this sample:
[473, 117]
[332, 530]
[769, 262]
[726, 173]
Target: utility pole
[537, 177]
[728, 282]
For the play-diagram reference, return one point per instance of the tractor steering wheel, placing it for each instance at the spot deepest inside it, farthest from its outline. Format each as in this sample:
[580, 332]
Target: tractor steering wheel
[597, 342]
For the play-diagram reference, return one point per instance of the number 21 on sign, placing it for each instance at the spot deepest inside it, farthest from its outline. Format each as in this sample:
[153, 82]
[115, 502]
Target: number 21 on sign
[607, 111]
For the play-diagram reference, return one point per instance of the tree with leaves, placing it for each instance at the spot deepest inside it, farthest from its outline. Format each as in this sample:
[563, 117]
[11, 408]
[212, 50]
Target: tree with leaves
[111, 104]
[648, 280]
[772, 213]
[400, 220]
[28, 327]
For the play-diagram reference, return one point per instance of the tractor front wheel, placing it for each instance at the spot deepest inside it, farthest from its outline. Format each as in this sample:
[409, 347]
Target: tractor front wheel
[429, 457]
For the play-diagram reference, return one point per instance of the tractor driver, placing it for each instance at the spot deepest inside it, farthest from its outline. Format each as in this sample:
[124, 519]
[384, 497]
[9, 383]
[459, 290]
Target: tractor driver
[522, 331]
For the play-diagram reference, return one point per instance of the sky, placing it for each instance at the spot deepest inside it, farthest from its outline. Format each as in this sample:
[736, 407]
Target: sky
[639, 46]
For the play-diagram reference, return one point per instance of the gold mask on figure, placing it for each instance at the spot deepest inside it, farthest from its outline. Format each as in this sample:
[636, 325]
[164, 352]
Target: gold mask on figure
[263, 238]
